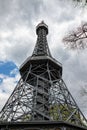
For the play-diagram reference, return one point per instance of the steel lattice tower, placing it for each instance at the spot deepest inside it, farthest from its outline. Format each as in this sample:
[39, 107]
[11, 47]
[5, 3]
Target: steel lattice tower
[41, 93]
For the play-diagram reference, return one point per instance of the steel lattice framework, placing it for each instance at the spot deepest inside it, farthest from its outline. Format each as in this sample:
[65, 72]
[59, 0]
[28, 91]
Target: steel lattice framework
[41, 93]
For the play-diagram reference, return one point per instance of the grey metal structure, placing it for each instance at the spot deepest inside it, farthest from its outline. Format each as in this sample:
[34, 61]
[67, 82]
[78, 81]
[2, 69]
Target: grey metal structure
[41, 94]
[40, 125]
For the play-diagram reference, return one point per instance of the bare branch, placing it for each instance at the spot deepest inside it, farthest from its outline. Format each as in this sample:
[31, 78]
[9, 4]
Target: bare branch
[77, 39]
[82, 3]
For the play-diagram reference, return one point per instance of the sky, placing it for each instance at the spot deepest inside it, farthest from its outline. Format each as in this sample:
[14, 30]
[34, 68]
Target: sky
[18, 20]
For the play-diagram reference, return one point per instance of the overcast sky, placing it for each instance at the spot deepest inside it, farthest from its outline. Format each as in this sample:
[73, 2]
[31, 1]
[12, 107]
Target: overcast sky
[18, 20]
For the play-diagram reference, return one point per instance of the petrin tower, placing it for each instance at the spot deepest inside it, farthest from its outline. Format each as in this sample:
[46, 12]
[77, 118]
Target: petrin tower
[41, 93]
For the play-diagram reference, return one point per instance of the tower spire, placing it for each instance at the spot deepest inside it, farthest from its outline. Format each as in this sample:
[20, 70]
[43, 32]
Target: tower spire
[41, 47]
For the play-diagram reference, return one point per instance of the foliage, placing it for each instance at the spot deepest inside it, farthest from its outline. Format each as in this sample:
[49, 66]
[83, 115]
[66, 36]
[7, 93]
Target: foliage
[26, 117]
[66, 113]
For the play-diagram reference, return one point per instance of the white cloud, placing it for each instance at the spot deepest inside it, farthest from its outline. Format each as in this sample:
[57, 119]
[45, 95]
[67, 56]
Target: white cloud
[7, 86]
[14, 71]
[8, 83]
[3, 99]
[16, 43]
